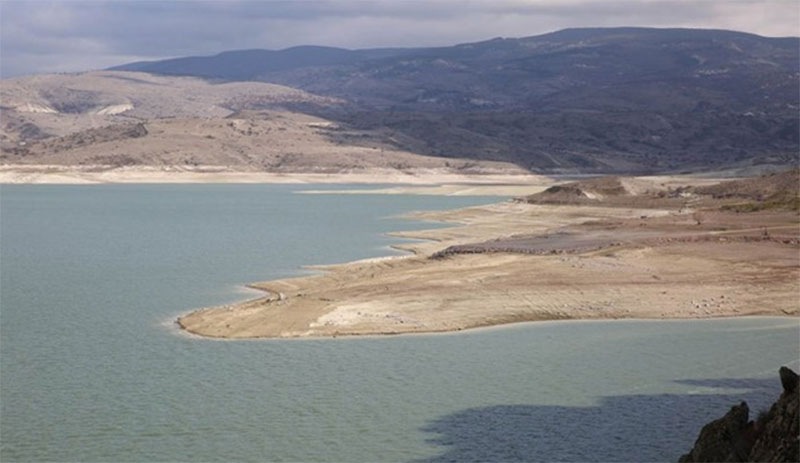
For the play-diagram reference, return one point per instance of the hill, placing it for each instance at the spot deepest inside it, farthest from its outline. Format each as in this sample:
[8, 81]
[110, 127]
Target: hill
[778, 190]
[254, 64]
[617, 100]
[601, 100]
[116, 119]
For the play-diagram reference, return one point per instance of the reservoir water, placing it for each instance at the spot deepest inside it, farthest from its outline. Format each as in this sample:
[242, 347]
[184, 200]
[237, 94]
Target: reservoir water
[93, 369]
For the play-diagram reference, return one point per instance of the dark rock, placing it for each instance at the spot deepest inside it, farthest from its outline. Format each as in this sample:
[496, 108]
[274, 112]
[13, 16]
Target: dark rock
[723, 439]
[779, 428]
[789, 380]
[772, 437]
[135, 131]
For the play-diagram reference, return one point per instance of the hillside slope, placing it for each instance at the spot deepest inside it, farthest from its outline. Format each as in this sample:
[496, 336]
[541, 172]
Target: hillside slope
[605, 100]
[116, 119]
[619, 100]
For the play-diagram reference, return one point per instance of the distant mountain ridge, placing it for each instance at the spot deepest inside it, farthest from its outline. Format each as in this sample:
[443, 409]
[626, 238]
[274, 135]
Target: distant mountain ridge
[607, 100]
[507, 73]
[593, 100]
[252, 64]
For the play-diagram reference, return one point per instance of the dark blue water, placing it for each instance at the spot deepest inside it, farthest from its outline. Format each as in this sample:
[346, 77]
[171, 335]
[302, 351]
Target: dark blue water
[92, 368]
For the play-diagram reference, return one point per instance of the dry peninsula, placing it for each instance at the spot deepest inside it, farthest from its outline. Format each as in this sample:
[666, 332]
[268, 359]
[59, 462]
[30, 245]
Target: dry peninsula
[603, 248]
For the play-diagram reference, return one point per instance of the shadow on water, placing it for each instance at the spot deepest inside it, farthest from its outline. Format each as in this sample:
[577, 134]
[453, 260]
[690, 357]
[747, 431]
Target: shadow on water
[628, 428]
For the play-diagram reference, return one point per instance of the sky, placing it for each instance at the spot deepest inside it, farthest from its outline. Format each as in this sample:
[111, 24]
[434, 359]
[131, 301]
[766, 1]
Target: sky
[39, 36]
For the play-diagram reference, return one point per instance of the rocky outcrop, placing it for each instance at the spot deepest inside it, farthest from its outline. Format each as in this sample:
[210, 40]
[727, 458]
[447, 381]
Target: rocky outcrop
[780, 428]
[773, 436]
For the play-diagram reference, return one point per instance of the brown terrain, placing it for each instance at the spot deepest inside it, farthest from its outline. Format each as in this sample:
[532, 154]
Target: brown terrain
[83, 126]
[594, 249]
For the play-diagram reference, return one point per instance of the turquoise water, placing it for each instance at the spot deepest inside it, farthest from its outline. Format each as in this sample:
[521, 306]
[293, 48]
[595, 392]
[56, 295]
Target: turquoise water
[93, 369]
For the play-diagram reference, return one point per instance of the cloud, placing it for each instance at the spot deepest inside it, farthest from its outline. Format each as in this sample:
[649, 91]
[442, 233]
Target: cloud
[52, 36]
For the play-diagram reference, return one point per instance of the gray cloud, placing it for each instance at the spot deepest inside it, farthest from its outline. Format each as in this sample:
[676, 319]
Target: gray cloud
[54, 36]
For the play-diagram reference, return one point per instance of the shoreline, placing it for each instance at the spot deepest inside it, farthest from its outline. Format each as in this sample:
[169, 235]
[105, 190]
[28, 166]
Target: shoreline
[100, 174]
[419, 294]
[172, 324]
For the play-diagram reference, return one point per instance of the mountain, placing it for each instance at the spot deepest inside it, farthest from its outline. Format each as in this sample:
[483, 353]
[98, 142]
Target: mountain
[612, 100]
[626, 66]
[615, 100]
[253, 64]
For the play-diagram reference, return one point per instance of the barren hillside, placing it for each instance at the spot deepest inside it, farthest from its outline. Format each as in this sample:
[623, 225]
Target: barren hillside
[124, 119]
[604, 100]
[608, 101]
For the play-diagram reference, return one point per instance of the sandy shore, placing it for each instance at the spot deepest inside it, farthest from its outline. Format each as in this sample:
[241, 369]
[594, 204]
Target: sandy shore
[435, 178]
[631, 263]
